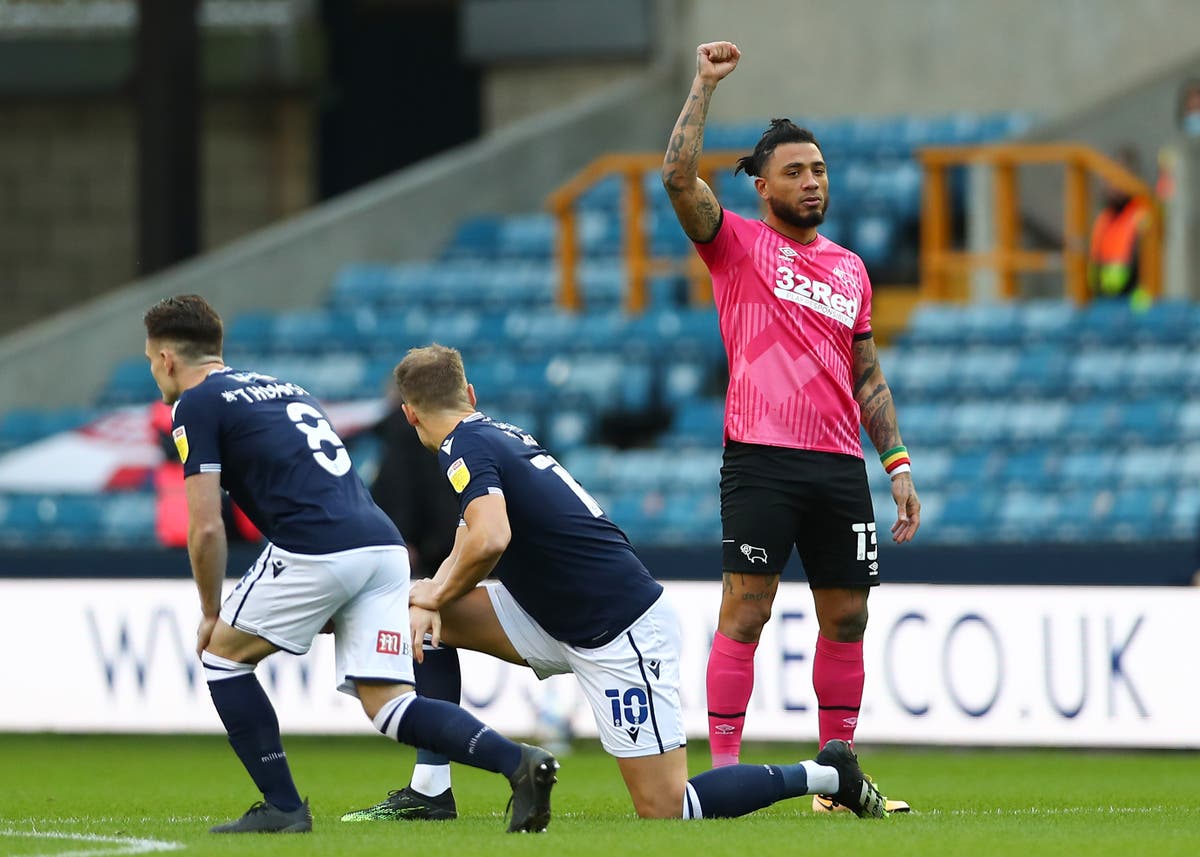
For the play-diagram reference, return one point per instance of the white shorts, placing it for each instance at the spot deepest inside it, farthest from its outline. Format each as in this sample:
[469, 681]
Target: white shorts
[286, 598]
[632, 683]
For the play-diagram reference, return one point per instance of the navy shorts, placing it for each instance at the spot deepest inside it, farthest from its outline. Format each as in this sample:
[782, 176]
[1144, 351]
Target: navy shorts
[774, 498]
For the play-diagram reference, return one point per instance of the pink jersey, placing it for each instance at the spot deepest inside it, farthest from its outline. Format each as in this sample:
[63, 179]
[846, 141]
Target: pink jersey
[789, 313]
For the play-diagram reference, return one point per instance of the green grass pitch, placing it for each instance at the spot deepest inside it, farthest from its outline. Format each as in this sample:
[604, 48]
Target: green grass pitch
[109, 795]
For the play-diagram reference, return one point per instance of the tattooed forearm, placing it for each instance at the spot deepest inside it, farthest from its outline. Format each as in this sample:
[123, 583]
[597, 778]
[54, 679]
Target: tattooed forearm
[682, 162]
[879, 418]
[874, 397]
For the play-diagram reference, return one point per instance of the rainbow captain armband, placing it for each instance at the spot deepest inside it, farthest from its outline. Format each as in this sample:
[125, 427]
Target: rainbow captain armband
[896, 461]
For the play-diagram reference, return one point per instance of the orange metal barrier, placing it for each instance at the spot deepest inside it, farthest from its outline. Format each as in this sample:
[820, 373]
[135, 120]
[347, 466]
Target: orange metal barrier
[639, 264]
[942, 268]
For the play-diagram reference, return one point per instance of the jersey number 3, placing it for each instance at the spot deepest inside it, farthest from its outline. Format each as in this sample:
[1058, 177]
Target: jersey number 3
[320, 434]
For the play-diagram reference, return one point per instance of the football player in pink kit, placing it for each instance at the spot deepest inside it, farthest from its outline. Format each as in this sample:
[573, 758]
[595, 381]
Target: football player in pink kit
[795, 317]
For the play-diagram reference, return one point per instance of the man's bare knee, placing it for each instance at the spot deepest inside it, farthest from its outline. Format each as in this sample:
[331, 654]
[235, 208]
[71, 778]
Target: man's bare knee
[665, 804]
[373, 695]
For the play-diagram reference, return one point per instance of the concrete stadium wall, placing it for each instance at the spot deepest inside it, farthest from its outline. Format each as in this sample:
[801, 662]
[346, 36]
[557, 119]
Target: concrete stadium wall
[407, 216]
[932, 56]
[68, 190]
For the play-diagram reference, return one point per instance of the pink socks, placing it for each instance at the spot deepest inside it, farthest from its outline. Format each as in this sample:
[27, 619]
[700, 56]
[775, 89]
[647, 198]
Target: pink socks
[838, 680]
[730, 679]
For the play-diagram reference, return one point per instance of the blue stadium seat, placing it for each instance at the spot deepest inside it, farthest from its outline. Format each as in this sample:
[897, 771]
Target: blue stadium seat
[1146, 421]
[1080, 515]
[1099, 371]
[476, 238]
[329, 376]
[1037, 421]
[697, 422]
[972, 467]
[130, 383]
[986, 370]
[1025, 515]
[1155, 369]
[1081, 468]
[599, 233]
[1049, 321]
[128, 519]
[1091, 422]
[1138, 513]
[1029, 470]
[967, 516]
[1148, 465]
[1183, 513]
[874, 239]
[564, 429]
[980, 422]
[605, 195]
[927, 423]
[1041, 371]
[935, 324]
[1106, 322]
[1188, 422]
[22, 426]
[527, 236]
[1165, 323]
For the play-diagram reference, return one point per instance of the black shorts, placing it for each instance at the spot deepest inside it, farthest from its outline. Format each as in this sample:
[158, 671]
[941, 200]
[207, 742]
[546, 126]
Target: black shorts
[773, 498]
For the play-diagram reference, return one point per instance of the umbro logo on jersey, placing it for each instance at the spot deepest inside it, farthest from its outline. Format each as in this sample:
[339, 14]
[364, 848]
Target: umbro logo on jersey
[754, 554]
[787, 252]
[654, 667]
[633, 732]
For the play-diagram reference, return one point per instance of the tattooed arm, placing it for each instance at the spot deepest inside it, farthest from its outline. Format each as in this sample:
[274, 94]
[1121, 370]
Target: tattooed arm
[878, 414]
[695, 204]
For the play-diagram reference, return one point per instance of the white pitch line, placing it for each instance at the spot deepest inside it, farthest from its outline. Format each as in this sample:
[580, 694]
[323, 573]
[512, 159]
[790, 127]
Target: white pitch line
[110, 845]
[1034, 810]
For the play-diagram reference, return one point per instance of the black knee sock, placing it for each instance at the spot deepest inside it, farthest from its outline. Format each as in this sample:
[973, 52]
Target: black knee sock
[439, 676]
[253, 731]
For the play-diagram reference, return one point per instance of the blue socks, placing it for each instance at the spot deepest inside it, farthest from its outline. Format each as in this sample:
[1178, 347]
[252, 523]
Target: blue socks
[734, 790]
[449, 730]
[253, 730]
[439, 676]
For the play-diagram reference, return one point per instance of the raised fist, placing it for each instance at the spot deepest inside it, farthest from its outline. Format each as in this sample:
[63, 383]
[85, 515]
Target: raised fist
[714, 60]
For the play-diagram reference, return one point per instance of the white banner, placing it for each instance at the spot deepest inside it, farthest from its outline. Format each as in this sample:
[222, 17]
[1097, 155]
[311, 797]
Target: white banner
[1084, 666]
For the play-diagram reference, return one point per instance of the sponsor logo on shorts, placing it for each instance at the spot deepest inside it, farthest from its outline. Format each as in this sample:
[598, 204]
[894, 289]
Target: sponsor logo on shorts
[754, 554]
[391, 643]
[654, 667]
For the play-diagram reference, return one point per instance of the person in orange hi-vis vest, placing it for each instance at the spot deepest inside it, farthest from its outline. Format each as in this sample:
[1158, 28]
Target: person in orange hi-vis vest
[1113, 255]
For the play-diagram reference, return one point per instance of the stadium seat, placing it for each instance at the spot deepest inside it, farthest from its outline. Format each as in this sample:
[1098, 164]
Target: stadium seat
[1150, 465]
[698, 422]
[967, 515]
[1183, 513]
[1081, 468]
[1037, 421]
[1029, 470]
[130, 383]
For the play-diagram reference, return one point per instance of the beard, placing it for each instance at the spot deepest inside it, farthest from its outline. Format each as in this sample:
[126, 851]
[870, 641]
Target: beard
[793, 215]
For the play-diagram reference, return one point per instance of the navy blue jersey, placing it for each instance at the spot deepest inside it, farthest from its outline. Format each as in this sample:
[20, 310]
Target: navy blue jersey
[570, 567]
[281, 462]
